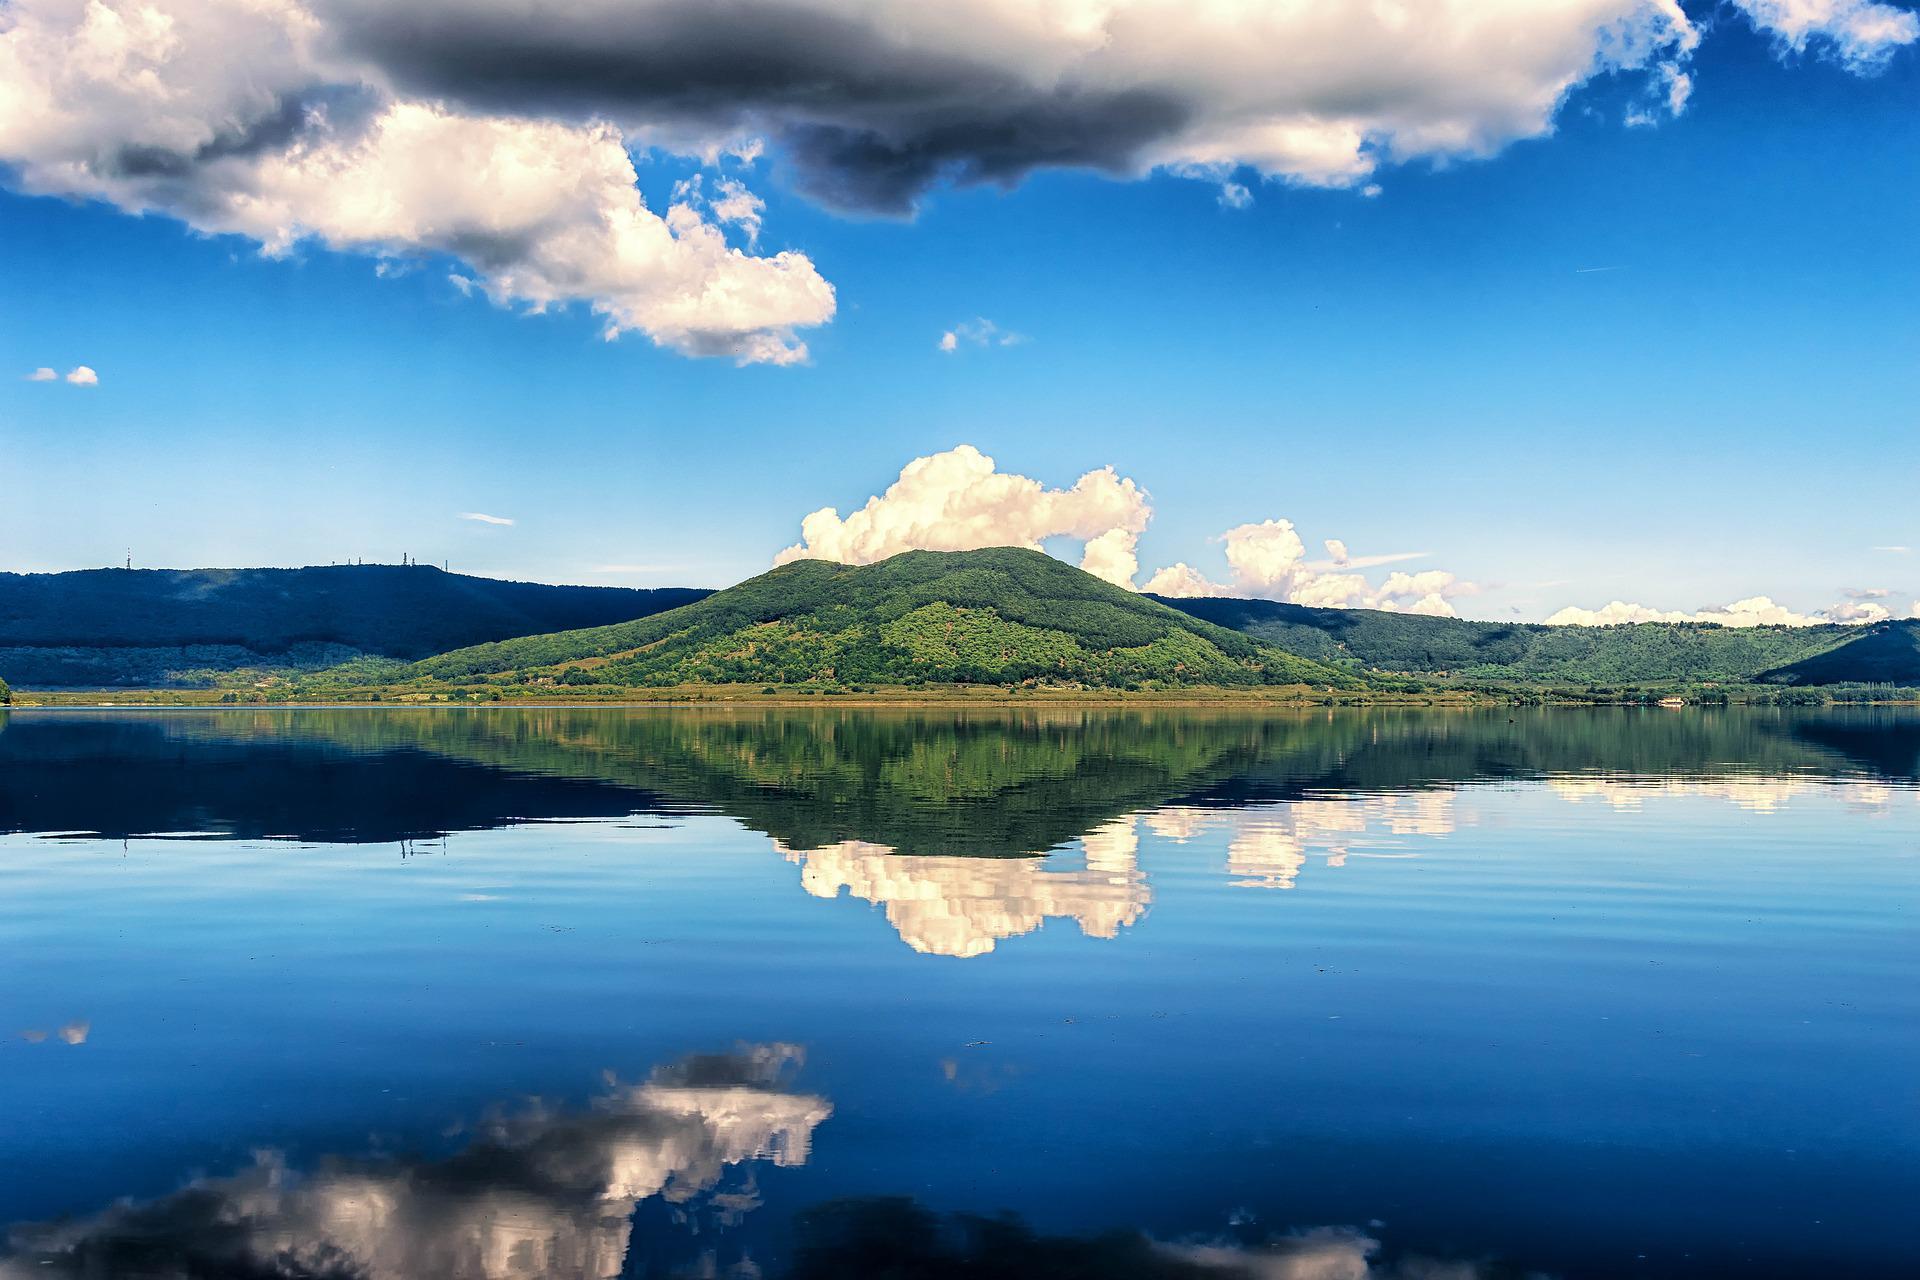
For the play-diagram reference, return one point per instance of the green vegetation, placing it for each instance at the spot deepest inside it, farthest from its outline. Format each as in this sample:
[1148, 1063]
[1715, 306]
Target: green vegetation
[923, 624]
[993, 781]
[1680, 657]
[104, 628]
[996, 617]
[6, 694]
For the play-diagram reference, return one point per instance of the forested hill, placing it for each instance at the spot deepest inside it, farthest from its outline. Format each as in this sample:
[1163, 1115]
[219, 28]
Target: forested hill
[998, 616]
[1635, 653]
[148, 626]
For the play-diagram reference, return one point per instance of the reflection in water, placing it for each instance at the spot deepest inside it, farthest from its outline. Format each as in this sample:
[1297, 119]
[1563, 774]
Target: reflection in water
[543, 1194]
[953, 906]
[899, 1238]
[1753, 794]
[958, 783]
[1268, 845]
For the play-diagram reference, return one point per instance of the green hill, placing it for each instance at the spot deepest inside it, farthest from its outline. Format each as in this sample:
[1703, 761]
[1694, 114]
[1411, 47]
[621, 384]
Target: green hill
[1885, 654]
[1626, 654]
[107, 627]
[998, 616]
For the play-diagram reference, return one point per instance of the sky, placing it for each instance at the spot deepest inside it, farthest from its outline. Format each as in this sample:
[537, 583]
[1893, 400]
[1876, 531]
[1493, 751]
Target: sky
[1529, 307]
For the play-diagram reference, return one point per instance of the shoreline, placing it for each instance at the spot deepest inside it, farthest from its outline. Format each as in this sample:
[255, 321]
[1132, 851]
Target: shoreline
[686, 697]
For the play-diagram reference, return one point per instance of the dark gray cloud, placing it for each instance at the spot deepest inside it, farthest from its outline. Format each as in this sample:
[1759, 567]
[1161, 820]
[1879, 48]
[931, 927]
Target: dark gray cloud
[867, 123]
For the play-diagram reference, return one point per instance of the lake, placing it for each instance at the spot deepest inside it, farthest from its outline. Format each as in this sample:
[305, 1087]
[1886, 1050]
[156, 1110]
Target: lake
[610, 992]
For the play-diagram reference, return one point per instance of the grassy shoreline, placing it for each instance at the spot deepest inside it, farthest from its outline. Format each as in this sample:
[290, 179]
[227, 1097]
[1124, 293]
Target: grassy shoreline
[1292, 697]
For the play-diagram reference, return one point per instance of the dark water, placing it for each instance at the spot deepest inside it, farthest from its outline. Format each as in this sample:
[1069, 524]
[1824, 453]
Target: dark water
[608, 993]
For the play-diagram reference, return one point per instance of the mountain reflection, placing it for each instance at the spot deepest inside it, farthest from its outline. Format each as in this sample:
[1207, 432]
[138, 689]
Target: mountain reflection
[543, 1194]
[920, 783]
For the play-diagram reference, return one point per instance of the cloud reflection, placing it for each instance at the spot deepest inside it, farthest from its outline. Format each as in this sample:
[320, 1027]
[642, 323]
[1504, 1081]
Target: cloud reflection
[959, 906]
[1268, 845]
[899, 1237]
[548, 1193]
[1755, 794]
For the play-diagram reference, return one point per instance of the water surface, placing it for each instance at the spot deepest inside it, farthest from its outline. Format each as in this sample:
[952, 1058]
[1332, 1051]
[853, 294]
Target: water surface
[605, 992]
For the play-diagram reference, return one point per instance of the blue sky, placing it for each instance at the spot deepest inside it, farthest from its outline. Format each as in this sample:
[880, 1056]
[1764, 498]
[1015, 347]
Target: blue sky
[1673, 364]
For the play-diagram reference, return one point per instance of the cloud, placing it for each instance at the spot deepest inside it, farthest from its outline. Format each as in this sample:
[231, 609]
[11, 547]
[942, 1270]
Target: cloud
[80, 376]
[1267, 560]
[979, 332]
[1860, 34]
[948, 905]
[483, 518]
[958, 501]
[552, 1191]
[1754, 611]
[500, 133]
[249, 117]
[871, 103]
[1234, 195]
[1896, 550]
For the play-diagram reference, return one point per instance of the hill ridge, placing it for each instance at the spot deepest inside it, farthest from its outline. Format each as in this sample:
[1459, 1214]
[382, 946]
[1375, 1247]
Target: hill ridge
[1004, 615]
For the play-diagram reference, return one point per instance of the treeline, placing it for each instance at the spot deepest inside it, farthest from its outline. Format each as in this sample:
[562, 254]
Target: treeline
[106, 627]
[1631, 654]
[1001, 616]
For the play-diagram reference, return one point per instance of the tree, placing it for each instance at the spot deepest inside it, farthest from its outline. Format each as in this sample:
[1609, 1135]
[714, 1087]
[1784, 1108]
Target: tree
[6, 694]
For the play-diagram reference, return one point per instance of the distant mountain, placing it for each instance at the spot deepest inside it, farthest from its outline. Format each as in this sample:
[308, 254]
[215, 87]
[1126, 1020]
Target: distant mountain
[1888, 653]
[119, 627]
[1634, 653]
[998, 616]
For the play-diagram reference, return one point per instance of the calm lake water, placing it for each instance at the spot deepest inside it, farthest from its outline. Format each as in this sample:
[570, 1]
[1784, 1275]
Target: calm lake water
[607, 992]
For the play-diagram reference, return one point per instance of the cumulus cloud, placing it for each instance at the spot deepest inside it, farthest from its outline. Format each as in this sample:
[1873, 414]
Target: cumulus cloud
[1754, 611]
[79, 376]
[248, 117]
[1267, 560]
[959, 501]
[978, 332]
[482, 517]
[1862, 34]
[869, 104]
[42, 374]
[499, 132]
[1235, 195]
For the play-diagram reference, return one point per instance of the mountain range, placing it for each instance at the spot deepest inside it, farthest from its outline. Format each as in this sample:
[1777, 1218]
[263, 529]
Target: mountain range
[1000, 616]
[148, 627]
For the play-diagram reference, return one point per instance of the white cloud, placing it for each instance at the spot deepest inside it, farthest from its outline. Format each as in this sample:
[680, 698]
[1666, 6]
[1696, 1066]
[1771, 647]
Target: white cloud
[240, 116]
[1267, 560]
[498, 132]
[1182, 579]
[1858, 611]
[1754, 611]
[82, 376]
[958, 501]
[482, 517]
[42, 374]
[731, 203]
[1862, 34]
[978, 332]
[1234, 195]
[1897, 551]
